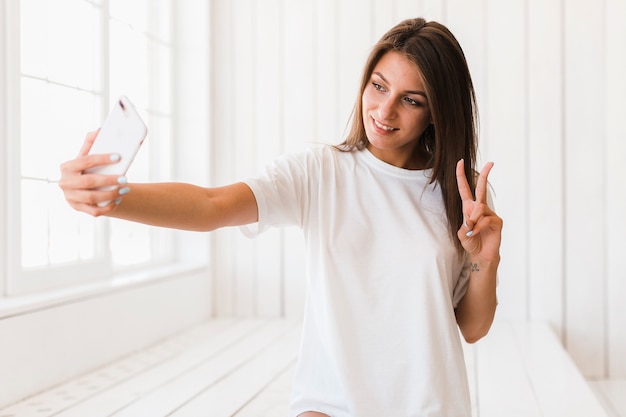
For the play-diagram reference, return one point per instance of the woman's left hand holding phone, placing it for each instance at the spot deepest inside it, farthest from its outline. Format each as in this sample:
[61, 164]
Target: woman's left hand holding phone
[94, 194]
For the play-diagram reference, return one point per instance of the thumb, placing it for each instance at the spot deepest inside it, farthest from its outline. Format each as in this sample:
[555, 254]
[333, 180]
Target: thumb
[468, 227]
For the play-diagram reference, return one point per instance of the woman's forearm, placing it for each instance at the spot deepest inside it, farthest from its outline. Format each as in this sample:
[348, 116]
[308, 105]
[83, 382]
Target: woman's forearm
[477, 308]
[186, 206]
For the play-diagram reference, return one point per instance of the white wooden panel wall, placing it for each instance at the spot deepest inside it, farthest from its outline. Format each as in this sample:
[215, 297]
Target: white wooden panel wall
[545, 173]
[585, 189]
[504, 125]
[549, 80]
[614, 207]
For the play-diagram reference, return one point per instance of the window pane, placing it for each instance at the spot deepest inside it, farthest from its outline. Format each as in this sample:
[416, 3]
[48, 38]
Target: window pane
[61, 42]
[34, 37]
[55, 120]
[72, 237]
[128, 64]
[52, 234]
[133, 13]
[34, 224]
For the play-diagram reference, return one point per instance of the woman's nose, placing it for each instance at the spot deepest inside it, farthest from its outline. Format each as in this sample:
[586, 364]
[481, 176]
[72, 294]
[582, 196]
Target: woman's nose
[387, 108]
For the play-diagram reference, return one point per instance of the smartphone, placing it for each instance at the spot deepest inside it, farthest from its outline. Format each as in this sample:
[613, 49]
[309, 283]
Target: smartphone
[122, 132]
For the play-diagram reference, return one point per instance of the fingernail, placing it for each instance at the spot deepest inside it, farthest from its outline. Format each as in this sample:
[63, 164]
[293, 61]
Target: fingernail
[470, 233]
[118, 201]
[114, 157]
[122, 180]
[124, 190]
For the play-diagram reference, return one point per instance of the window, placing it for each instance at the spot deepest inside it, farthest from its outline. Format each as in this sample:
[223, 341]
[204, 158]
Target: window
[74, 58]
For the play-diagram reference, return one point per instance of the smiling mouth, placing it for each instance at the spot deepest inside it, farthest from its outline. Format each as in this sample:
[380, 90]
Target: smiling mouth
[383, 126]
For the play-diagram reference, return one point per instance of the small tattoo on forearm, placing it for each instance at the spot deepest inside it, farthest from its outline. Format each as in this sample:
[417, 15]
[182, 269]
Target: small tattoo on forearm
[475, 267]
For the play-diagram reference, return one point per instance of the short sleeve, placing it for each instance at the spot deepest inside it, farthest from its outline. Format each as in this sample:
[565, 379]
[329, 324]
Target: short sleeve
[281, 193]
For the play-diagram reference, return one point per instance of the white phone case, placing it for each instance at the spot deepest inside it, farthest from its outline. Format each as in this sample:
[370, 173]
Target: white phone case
[122, 133]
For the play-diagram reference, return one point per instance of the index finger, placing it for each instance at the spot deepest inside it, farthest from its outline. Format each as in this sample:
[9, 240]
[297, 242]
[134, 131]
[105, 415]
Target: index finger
[481, 184]
[464, 189]
[82, 163]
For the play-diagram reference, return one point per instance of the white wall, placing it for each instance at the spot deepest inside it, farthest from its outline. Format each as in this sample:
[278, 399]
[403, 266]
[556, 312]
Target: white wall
[552, 99]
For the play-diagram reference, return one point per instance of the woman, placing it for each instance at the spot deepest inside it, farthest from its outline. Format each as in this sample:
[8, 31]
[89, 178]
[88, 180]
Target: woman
[400, 254]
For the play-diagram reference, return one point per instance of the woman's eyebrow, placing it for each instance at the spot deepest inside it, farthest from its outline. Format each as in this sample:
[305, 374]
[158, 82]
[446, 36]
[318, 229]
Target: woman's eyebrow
[419, 93]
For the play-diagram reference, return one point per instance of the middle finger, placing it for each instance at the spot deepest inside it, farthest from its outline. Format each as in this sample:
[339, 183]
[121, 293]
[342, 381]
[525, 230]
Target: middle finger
[481, 184]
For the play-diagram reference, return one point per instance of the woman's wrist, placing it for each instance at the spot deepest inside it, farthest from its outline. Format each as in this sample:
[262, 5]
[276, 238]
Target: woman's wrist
[484, 264]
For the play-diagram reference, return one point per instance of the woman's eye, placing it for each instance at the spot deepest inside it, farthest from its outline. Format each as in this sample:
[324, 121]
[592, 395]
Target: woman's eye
[412, 102]
[378, 87]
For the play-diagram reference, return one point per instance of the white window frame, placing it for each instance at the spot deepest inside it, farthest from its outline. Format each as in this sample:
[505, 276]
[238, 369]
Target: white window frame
[75, 282]
[18, 280]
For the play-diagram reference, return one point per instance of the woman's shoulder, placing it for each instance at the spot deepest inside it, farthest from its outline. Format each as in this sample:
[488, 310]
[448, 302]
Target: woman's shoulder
[317, 158]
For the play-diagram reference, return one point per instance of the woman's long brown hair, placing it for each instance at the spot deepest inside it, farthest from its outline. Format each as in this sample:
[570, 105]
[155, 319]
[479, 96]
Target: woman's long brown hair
[450, 91]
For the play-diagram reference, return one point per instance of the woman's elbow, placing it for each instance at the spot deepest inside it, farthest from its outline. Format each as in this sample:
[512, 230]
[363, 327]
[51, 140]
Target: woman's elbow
[473, 337]
[473, 334]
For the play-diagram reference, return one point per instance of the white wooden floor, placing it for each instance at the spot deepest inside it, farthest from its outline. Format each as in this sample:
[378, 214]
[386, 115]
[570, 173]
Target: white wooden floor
[244, 368]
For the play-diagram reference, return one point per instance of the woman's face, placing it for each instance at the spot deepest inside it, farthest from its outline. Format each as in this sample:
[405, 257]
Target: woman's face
[395, 111]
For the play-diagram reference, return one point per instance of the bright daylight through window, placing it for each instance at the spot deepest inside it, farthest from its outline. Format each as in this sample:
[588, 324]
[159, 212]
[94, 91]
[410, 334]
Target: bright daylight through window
[75, 58]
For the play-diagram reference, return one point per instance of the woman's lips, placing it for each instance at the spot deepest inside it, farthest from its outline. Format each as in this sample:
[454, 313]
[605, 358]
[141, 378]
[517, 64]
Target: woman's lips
[383, 127]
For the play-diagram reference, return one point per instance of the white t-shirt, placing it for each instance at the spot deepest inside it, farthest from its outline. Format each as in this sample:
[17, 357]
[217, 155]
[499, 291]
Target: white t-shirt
[383, 277]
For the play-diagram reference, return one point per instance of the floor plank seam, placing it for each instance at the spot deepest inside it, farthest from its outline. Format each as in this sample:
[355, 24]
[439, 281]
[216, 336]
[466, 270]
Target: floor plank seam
[232, 370]
[266, 386]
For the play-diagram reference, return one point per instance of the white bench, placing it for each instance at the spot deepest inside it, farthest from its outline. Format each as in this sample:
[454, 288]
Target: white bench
[521, 370]
[243, 368]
